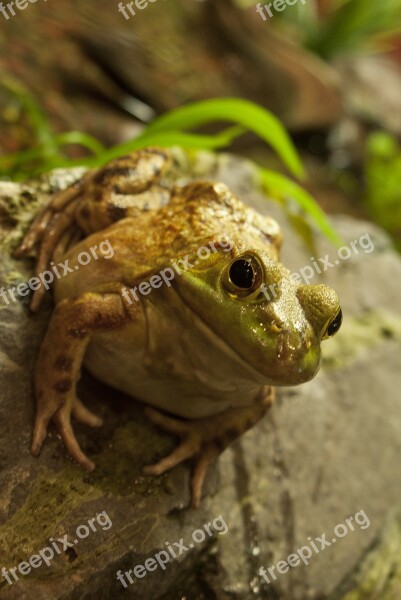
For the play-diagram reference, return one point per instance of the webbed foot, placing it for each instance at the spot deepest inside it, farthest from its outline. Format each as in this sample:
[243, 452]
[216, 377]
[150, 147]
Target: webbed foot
[204, 439]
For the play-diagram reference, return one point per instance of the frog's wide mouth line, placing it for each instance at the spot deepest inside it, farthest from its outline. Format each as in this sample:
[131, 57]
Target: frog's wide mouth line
[255, 374]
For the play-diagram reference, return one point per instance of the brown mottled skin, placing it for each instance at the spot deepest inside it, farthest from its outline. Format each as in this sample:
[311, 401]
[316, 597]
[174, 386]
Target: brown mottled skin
[206, 348]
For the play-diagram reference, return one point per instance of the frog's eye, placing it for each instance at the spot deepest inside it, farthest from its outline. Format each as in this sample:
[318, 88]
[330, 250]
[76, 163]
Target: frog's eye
[334, 325]
[244, 276]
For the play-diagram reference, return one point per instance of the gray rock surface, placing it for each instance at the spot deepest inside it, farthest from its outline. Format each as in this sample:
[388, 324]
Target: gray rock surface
[327, 450]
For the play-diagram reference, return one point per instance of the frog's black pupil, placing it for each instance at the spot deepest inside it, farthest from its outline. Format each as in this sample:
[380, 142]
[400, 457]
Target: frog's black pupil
[242, 274]
[335, 324]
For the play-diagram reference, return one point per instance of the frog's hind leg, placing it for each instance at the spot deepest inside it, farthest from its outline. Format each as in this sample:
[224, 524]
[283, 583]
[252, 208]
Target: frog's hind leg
[204, 439]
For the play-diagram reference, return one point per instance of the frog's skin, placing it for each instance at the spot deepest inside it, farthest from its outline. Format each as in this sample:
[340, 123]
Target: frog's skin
[202, 349]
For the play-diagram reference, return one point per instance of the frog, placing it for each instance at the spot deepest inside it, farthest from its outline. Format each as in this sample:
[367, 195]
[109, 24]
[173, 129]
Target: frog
[203, 350]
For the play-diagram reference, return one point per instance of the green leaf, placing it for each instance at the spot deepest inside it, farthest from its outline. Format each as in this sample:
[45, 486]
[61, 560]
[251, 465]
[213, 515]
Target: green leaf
[245, 113]
[38, 153]
[355, 25]
[166, 131]
[167, 139]
[81, 139]
[276, 182]
[42, 130]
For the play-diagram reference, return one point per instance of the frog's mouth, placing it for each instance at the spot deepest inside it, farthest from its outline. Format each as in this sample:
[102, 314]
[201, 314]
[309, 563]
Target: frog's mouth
[293, 362]
[279, 337]
[230, 354]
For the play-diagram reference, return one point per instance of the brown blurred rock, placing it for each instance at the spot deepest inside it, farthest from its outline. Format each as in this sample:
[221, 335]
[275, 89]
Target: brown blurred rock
[171, 53]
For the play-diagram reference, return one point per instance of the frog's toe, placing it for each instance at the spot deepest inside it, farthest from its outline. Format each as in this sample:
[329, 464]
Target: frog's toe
[84, 415]
[207, 456]
[64, 427]
[185, 450]
[37, 298]
[170, 424]
[189, 446]
[192, 445]
[33, 235]
[62, 421]
[39, 434]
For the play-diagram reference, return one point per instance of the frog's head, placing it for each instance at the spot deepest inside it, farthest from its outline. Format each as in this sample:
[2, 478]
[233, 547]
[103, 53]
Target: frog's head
[249, 300]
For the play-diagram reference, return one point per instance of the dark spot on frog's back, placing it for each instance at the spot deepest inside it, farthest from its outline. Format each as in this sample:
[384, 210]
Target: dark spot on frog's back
[116, 212]
[84, 213]
[266, 237]
[200, 189]
[103, 320]
[63, 386]
[98, 194]
[104, 175]
[63, 363]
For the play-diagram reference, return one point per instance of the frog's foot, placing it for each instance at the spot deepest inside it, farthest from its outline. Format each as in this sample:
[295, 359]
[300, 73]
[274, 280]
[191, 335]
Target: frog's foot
[61, 417]
[51, 234]
[204, 439]
[57, 237]
[193, 445]
[47, 219]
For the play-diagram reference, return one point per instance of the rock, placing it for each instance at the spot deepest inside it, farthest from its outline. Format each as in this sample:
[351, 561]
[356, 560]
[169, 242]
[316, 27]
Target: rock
[379, 575]
[363, 77]
[328, 450]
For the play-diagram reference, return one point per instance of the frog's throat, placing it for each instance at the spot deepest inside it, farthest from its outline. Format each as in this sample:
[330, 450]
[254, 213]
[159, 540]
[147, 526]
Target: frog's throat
[254, 375]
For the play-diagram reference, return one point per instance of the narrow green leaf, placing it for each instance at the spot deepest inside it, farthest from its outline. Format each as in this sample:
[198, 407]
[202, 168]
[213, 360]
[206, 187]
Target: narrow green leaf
[80, 139]
[276, 182]
[245, 113]
[42, 130]
[12, 161]
[177, 138]
[164, 139]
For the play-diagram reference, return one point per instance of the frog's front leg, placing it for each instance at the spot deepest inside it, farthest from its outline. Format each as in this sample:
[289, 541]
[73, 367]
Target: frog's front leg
[204, 439]
[71, 328]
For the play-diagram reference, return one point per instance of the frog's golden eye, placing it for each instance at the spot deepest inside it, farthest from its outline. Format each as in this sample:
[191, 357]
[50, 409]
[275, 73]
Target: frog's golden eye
[334, 325]
[243, 276]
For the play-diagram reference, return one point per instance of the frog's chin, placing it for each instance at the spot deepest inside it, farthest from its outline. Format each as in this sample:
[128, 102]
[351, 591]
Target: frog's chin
[293, 378]
[284, 373]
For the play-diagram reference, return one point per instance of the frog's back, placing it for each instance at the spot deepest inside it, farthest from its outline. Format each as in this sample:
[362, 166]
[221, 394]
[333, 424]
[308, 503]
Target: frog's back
[187, 219]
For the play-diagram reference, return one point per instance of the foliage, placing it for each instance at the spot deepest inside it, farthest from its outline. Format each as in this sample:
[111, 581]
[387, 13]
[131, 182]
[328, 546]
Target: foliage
[344, 26]
[355, 25]
[383, 182]
[170, 129]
